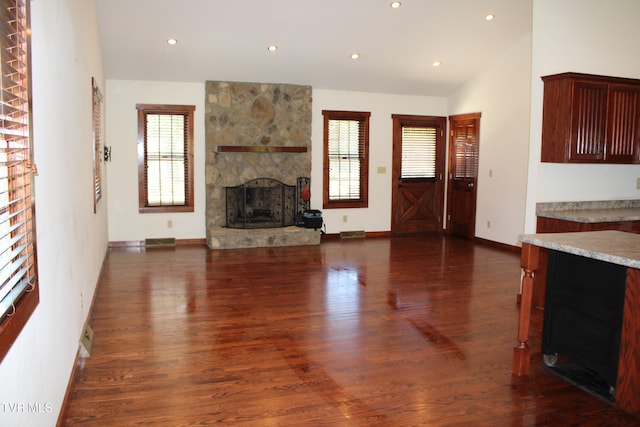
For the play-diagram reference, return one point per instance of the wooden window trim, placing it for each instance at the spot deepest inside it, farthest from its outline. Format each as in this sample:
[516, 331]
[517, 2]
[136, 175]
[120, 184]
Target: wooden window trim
[363, 201]
[18, 97]
[98, 156]
[187, 111]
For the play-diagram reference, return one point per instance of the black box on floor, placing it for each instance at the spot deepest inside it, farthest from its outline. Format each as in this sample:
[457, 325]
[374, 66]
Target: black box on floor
[312, 218]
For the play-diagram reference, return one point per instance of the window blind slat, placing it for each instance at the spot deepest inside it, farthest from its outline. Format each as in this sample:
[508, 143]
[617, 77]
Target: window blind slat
[8, 276]
[10, 230]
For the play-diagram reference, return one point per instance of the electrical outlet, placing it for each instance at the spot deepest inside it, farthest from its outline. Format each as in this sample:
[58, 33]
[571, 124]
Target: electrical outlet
[638, 183]
[488, 224]
[170, 224]
[344, 218]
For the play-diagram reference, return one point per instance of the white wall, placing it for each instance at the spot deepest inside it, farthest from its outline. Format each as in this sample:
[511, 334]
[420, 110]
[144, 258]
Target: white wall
[125, 223]
[586, 36]
[377, 217]
[71, 239]
[501, 93]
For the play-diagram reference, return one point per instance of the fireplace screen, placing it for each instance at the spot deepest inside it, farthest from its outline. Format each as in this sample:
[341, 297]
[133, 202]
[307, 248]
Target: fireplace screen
[261, 203]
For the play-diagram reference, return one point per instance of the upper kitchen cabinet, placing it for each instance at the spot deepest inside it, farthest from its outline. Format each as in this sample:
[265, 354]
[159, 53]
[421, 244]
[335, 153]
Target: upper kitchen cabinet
[590, 119]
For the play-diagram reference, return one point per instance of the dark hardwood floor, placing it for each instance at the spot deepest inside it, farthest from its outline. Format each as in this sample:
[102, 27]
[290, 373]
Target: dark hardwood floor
[405, 331]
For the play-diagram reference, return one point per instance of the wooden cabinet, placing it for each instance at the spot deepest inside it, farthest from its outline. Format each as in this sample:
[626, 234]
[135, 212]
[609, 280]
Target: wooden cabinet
[590, 119]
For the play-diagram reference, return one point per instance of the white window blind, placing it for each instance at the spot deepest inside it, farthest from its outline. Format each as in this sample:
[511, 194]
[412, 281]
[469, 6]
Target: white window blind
[418, 152]
[346, 154]
[165, 159]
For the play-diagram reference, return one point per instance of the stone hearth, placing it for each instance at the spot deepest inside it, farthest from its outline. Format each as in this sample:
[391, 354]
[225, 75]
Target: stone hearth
[226, 238]
[255, 130]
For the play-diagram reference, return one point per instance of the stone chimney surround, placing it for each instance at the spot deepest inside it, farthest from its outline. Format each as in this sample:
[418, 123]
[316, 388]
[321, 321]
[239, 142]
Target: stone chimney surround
[255, 130]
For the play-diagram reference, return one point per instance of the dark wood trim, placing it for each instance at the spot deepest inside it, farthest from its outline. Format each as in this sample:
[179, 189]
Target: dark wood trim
[368, 235]
[362, 117]
[378, 234]
[259, 149]
[498, 245]
[126, 244]
[140, 243]
[628, 384]
[12, 326]
[467, 116]
[592, 77]
[329, 237]
[187, 111]
[191, 242]
[62, 415]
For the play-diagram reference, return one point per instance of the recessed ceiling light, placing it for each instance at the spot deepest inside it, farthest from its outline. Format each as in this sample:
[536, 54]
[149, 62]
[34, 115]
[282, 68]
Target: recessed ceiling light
[272, 48]
[172, 41]
[395, 4]
[489, 17]
[355, 55]
[436, 63]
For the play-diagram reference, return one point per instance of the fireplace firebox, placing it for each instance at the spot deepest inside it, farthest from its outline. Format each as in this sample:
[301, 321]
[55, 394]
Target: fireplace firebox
[261, 203]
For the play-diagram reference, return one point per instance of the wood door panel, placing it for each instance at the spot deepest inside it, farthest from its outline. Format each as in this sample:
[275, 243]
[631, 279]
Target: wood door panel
[461, 204]
[417, 212]
[623, 130]
[589, 121]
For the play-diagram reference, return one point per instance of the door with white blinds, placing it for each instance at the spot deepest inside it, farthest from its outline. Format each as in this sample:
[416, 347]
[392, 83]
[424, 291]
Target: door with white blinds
[464, 149]
[418, 166]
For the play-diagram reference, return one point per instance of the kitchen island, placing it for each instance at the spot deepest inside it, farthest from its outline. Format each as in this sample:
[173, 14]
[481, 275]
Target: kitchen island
[619, 249]
[569, 217]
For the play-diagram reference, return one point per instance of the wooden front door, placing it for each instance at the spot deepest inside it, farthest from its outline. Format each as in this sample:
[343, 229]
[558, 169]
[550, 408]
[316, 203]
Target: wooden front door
[464, 149]
[418, 167]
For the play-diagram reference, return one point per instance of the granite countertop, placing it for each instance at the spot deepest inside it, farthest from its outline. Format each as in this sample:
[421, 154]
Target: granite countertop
[591, 212]
[616, 247]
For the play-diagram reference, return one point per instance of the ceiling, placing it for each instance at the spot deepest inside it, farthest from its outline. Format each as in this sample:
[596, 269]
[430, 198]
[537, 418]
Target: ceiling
[228, 40]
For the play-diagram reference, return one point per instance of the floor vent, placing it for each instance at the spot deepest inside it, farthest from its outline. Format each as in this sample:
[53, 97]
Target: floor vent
[86, 341]
[162, 242]
[357, 234]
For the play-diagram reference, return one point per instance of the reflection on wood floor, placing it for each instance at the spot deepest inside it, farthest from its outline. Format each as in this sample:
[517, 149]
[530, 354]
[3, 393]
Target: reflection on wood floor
[389, 331]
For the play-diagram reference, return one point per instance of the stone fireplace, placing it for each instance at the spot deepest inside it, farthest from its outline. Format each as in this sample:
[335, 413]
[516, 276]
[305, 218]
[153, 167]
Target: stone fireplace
[255, 131]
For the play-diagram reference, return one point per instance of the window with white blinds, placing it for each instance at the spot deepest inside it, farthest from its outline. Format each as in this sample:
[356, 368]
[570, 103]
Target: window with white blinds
[418, 152]
[166, 166]
[18, 267]
[346, 137]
